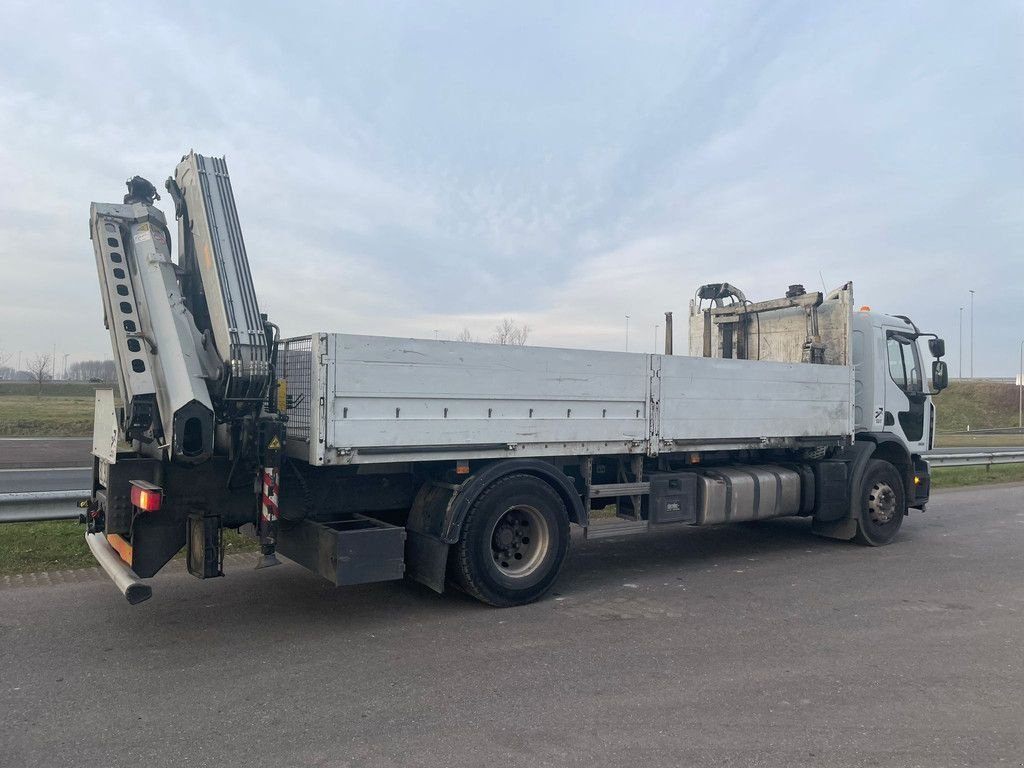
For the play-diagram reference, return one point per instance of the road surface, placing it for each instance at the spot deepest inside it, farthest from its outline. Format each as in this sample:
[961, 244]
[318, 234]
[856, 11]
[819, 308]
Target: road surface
[37, 452]
[756, 645]
[63, 479]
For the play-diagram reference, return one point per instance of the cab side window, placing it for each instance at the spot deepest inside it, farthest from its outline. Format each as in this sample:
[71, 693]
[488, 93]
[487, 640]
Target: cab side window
[904, 363]
[896, 367]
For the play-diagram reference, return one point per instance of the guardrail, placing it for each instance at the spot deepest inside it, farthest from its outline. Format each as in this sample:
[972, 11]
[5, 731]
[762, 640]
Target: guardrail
[986, 431]
[975, 459]
[63, 505]
[41, 506]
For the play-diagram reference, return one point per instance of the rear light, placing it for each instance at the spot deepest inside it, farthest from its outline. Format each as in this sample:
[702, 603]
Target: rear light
[146, 496]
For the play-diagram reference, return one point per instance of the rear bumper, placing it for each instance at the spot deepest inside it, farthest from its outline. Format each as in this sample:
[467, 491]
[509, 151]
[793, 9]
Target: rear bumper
[124, 578]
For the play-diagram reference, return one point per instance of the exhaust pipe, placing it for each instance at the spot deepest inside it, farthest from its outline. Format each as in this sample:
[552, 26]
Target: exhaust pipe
[124, 578]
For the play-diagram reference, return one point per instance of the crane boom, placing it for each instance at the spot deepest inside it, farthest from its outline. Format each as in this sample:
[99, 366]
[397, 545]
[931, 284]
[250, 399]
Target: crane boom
[211, 253]
[160, 356]
[191, 347]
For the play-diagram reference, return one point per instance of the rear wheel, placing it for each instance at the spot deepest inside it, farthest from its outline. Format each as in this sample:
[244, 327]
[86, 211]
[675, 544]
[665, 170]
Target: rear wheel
[883, 504]
[514, 540]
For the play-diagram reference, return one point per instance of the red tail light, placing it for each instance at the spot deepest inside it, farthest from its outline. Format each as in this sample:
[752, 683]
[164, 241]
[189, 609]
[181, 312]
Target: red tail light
[146, 496]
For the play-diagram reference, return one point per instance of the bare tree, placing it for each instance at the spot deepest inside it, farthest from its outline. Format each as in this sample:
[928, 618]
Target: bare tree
[92, 370]
[510, 333]
[107, 370]
[465, 335]
[39, 369]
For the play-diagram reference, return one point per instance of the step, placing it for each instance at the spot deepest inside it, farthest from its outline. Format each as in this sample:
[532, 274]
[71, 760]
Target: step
[610, 490]
[615, 528]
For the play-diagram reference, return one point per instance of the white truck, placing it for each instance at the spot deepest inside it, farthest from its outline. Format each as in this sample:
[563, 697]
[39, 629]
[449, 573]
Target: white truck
[368, 458]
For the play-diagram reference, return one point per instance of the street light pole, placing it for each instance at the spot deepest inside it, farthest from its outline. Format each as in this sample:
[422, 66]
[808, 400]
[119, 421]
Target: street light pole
[1020, 389]
[627, 333]
[972, 333]
[960, 345]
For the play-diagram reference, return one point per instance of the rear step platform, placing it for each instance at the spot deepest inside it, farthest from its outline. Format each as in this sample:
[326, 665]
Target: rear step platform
[352, 550]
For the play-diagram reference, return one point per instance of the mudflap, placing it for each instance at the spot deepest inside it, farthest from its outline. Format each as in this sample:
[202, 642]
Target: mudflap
[836, 500]
[426, 552]
[844, 529]
[205, 556]
[156, 538]
[426, 559]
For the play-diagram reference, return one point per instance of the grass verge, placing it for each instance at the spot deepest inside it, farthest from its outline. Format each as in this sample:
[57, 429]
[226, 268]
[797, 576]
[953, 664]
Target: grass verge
[978, 441]
[953, 477]
[31, 416]
[60, 546]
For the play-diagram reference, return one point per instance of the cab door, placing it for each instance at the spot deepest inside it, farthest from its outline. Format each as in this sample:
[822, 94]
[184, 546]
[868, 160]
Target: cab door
[906, 403]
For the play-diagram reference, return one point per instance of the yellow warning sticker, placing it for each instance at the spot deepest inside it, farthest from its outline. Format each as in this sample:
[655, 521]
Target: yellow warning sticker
[275, 444]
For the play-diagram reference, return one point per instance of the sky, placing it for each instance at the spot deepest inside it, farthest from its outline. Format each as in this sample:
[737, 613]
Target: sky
[421, 168]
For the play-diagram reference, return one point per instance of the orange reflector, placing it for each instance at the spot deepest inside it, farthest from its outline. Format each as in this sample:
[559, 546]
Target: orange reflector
[865, 309]
[917, 480]
[122, 547]
[462, 467]
[146, 496]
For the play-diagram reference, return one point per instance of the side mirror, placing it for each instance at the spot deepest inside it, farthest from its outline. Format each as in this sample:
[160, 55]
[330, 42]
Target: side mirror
[940, 375]
[937, 347]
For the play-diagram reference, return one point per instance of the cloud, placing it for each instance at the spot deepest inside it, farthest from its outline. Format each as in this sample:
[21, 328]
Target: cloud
[401, 169]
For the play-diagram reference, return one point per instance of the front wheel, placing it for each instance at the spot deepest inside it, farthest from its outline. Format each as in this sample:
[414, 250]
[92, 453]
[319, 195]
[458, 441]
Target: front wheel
[883, 504]
[514, 540]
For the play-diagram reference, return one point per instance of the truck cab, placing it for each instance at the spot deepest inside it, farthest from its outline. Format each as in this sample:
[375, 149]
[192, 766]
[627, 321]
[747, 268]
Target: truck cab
[890, 392]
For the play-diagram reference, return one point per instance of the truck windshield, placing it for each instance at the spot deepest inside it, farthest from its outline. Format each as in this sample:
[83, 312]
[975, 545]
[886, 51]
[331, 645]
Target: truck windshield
[904, 362]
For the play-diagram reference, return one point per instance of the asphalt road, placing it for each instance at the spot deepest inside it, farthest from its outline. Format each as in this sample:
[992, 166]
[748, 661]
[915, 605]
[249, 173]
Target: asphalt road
[24, 480]
[37, 452]
[756, 645]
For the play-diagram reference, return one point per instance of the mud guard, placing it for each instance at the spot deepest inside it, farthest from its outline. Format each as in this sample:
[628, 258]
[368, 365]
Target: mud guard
[435, 520]
[845, 528]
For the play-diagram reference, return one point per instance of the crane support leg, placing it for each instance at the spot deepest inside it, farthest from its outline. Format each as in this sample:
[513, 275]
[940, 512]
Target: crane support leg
[268, 518]
[270, 438]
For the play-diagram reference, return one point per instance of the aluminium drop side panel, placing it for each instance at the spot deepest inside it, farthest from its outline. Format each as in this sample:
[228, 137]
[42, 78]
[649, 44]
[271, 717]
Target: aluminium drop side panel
[393, 399]
[743, 402]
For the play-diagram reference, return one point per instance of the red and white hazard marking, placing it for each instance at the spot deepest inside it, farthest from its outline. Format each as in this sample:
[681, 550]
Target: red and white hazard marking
[270, 489]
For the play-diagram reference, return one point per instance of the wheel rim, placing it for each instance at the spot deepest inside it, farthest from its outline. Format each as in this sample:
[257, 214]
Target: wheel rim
[882, 503]
[519, 541]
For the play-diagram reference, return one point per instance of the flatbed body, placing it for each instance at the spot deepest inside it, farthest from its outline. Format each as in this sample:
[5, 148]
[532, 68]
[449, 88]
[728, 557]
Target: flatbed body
[372, 400]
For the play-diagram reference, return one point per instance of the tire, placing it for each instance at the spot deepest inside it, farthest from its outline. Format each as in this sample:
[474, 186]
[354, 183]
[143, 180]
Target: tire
[883, 504]
[513, 542]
